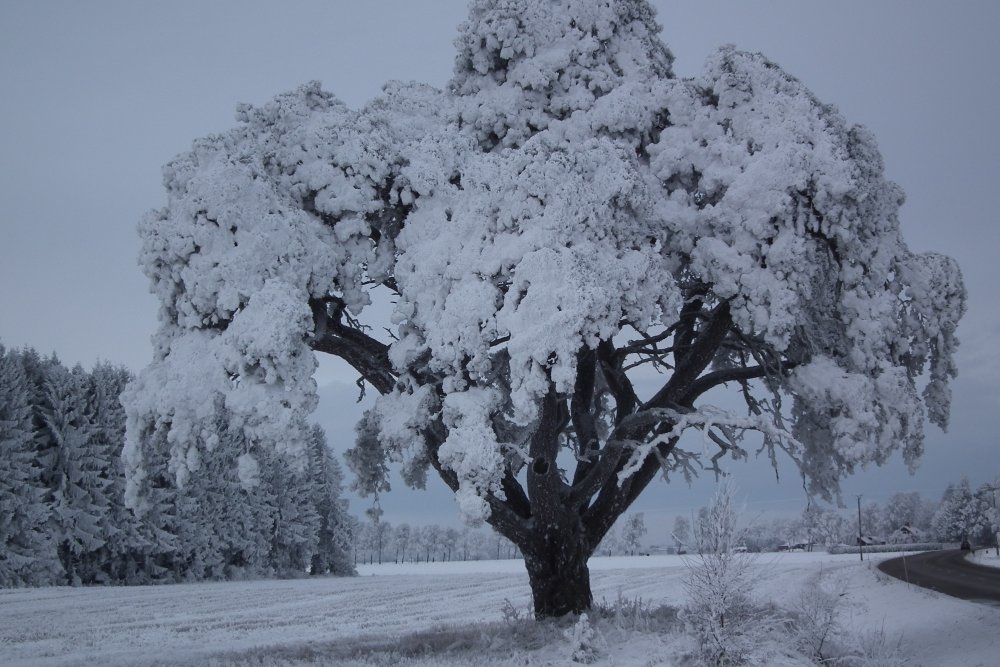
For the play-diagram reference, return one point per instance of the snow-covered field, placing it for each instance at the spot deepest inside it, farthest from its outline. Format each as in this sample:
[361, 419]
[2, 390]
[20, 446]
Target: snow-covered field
[446, 613]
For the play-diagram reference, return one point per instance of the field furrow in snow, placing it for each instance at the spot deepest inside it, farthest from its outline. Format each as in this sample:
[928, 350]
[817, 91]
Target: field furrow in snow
[191, 622]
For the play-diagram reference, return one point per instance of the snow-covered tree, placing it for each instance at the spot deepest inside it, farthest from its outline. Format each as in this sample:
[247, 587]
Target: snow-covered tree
[822, 526]
[124, 552]
[379, 529]
[720, 611]
[449, 542]
[611, 544]
[873, 520]
[632, 532]
[334, 538]
[160, 525]
[429, 540]
[907, 517]
[79, 471]
[296, 522]
[27, 551]
[401, 541]
[961, 514]
[681, 534]
[988, 495]
[565, 217]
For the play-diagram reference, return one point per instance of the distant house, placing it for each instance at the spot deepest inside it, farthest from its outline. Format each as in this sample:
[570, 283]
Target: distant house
[868, 540]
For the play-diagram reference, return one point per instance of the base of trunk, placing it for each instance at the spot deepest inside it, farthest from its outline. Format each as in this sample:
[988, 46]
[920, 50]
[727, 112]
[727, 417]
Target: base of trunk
[560, 580]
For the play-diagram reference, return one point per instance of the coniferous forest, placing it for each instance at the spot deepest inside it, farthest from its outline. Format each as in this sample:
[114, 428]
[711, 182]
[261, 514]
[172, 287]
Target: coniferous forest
[63, 519]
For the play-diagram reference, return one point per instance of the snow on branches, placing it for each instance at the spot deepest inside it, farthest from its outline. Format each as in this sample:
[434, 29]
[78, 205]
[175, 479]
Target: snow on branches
[564, 217]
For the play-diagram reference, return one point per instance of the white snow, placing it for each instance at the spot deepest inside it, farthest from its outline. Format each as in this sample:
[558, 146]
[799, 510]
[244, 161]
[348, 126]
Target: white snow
[987, 557]
[565, 190]
[329, 620]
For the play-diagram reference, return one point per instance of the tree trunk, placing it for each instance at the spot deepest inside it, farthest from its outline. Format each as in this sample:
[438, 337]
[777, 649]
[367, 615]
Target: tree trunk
[557, 571]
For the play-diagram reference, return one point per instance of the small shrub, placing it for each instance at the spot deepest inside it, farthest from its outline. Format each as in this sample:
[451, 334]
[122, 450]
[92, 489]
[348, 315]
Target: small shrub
[587, 644]
[720, 613]
[626, 613]
[510, 613]
[875, 648]
[813, 622]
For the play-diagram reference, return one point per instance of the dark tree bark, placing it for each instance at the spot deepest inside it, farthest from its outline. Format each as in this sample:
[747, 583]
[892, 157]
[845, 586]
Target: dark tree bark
[556, 559]
[558, 518]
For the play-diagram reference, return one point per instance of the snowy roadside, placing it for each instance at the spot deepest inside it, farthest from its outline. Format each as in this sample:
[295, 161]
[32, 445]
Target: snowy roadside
[450, 605]
[987, 557]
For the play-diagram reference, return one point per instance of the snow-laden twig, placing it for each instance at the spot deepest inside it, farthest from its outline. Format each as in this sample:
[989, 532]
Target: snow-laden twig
[706, 418]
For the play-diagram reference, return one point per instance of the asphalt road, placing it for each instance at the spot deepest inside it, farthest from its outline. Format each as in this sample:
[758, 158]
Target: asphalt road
[947, 572]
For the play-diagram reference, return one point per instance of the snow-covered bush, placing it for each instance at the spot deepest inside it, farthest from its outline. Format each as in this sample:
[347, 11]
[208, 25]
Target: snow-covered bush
[586, 643]
[728, 624]
[633, 613]
[874, 647]
[814, 622]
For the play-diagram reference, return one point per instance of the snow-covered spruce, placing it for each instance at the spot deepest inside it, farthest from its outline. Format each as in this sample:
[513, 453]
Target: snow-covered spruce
[27, 549]
[563, 218]
[62, 482]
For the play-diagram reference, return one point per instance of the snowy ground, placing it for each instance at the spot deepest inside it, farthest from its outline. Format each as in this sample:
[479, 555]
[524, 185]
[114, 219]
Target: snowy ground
[987, 557]
[447, 614]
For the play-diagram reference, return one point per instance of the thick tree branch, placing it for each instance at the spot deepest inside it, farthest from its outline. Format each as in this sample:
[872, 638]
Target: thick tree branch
[597, 474]
[582, 411]
[634, 428]
[516, 498]
[702, 350]
[686, 323]
[368, 356]
[504, 514]
[617, 381]
[614, 497]
[545, 486]
[722, 376]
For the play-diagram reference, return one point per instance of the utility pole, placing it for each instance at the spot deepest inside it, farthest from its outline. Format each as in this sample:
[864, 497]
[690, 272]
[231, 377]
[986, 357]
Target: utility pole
[861, 551]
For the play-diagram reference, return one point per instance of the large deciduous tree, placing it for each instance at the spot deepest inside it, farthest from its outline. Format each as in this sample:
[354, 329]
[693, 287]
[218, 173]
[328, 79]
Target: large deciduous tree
[579, 246]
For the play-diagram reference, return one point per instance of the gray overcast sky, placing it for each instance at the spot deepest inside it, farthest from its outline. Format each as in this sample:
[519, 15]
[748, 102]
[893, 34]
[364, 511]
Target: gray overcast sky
[96, 96]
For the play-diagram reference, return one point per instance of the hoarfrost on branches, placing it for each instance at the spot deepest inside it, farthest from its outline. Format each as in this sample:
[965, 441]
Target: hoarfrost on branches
[564, 218]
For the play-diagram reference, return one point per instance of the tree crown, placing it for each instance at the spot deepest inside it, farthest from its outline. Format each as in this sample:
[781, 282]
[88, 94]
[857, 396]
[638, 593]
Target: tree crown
[564, 219]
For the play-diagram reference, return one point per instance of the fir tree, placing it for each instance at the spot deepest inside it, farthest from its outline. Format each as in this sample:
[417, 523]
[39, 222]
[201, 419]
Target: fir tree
[27, 554]
[961, 515]
[295, 535]
[78, 474]
[334, 538]
[123, 553]
[159, 519]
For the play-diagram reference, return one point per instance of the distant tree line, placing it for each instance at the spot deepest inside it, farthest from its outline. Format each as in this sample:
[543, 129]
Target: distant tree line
[378, 541]
[381, 542]
[961, 513]
[63, 519]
